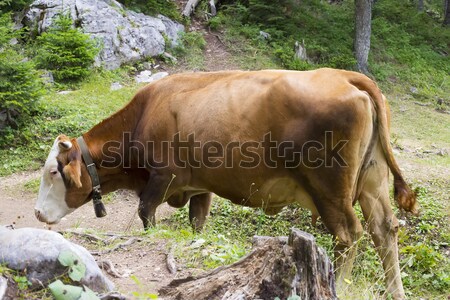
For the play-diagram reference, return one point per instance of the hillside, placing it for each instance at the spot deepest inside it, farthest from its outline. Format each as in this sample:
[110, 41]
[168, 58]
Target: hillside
[409, 60]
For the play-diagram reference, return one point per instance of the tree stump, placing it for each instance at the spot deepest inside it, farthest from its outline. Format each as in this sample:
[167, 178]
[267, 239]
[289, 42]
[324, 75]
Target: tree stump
[277, 267]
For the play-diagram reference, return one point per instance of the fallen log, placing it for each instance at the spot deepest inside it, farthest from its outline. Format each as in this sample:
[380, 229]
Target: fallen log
[277, 267]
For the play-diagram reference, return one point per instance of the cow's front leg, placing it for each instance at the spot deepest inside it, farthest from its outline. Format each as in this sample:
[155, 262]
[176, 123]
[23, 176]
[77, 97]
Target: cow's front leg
[199, 207]
[158, 189]
[147, 212]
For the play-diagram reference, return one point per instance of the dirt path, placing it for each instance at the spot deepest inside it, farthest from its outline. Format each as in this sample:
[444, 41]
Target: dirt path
[144, 260]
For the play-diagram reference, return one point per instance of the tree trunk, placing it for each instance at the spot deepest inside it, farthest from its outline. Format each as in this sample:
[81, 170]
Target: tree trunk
[420, 5]
[190, 7]
[363, 16]
[276, 267]
[212, 7]
[447, 13]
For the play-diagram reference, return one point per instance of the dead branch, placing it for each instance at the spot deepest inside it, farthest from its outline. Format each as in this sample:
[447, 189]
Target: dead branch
[422, 104]
[170, 262]
[108, 267]
[217, 36]
[118, 246]
[90, 237]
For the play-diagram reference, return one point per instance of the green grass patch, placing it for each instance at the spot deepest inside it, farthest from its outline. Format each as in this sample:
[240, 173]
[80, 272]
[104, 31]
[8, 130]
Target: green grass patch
[72, 114]
[190, 50]
[32, 185]
[229, 231]
[409, 49]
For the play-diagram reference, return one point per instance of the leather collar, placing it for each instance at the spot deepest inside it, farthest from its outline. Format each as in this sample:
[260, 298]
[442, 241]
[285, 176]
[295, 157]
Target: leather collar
[99, 208]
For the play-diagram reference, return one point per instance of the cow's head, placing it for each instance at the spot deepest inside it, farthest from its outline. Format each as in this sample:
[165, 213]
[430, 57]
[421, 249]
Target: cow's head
[65, 184]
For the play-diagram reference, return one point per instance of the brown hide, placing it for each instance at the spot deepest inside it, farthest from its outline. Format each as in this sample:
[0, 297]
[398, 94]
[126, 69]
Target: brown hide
[237, 110]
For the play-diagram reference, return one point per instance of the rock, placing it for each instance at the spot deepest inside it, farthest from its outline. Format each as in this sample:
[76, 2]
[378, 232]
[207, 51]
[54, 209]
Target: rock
[159, 75]
[147, 65]
[300, 51]
[35, 252]
[169, 57]
[144, 76]
[3, 286]
[442, 152]
[47, 78]
[197, 244]
[264, 35]
[116, 86]
[126, 36]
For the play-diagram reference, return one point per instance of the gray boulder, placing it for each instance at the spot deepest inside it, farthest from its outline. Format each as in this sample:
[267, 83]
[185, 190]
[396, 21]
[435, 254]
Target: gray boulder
[36, 251]
[125, 36]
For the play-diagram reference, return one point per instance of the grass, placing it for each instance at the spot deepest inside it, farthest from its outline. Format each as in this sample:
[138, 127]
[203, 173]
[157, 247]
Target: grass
[406, 53]
[190, 49]
[409, 49]
[70, 114]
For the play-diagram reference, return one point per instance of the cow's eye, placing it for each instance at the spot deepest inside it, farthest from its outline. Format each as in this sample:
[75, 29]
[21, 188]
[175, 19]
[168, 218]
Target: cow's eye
[53, 173]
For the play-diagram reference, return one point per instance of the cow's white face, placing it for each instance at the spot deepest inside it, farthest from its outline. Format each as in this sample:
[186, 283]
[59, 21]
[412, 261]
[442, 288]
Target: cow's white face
[62, 173]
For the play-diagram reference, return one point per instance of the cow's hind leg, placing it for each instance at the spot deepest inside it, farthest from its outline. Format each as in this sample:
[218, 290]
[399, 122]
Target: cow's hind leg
[383, 225]
[343, 223]
[199, 206]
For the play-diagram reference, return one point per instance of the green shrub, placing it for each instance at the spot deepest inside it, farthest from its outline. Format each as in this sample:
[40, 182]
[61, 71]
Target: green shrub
[13, 5]
[190, 48]
[65, 51]
[154, 7]
[20, 85]
[189, 41]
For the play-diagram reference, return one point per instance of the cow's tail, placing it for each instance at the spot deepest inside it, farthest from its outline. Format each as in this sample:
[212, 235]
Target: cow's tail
[404, 196]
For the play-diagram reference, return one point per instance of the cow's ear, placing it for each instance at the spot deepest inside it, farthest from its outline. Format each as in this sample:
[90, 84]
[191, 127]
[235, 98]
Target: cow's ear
[64, 143]
[72, 171]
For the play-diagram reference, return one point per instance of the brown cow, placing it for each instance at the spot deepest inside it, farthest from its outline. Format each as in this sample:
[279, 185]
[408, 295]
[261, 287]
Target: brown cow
[260, 139]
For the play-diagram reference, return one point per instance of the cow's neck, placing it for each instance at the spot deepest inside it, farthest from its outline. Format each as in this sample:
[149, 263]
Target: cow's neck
[110, 133]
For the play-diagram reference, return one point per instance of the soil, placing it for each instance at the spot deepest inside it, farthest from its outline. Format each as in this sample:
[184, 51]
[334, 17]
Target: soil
[146, 262]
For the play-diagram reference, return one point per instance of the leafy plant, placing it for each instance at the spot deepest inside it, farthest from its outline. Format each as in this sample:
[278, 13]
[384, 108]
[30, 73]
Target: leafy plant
[65, 51]
[76, 271]
[190, 47]
[22, 282]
